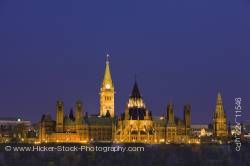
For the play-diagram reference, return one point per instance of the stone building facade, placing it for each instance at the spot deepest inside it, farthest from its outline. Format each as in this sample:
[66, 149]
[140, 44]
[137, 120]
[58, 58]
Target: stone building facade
[136, 125]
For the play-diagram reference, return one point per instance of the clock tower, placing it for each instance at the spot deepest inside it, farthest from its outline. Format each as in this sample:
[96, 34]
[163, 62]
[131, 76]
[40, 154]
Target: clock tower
[107, 93]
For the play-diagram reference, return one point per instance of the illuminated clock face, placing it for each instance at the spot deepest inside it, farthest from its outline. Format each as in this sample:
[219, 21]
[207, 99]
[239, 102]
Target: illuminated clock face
[107, 86]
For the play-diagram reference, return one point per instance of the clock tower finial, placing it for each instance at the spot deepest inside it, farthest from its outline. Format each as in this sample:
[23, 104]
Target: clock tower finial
[107, 58]
[107, 92]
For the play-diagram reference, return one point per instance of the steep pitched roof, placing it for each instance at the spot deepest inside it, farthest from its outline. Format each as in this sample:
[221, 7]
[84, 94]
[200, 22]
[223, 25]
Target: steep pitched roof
[135, 92]
[107, 75]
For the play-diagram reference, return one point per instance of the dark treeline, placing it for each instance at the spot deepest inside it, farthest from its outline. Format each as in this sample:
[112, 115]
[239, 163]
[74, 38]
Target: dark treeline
[156, 155]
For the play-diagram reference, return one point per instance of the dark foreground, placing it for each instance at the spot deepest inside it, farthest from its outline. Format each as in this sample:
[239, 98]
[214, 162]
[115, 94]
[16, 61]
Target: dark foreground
[156, 155]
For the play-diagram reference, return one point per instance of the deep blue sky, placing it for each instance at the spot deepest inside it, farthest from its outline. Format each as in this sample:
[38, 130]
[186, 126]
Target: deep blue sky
[183, 51]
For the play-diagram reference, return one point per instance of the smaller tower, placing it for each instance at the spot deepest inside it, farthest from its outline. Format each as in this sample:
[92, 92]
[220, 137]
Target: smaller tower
[78, 111]
[187, 118]
[59, 116]
[171, 128]
[219, 119]
[42, 130]
[170, 114]
[46, 126]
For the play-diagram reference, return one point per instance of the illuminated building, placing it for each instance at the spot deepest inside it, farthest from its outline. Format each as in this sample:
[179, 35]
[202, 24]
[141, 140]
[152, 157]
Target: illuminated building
[200, 130]
[135, 125]
[107, 94]
[78, 127]
[219, 119]
[14, 130]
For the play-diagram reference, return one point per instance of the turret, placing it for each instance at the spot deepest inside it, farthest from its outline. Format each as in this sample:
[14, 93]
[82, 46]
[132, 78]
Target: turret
[59, 116]
[219, 119]
[187, 118]
[170, 114]
[78, 111]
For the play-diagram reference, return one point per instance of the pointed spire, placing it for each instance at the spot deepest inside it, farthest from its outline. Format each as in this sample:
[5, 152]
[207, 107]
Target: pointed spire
[107, 75]
[219, 99]
[219, 111]
[219, 119]
[135, 92]
[135, 99]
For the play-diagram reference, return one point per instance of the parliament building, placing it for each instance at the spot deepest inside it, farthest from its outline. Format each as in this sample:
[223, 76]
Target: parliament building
[136, 125]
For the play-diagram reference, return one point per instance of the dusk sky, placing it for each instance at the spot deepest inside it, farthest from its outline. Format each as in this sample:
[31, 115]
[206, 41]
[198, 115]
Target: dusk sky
[183, 51]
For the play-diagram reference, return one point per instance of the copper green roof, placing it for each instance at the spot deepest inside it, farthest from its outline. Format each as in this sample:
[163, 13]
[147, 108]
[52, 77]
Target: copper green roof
[95, 120]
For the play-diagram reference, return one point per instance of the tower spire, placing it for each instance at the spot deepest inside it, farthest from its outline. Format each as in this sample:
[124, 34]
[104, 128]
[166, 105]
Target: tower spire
[107, 75]
[135, 92]
[219, 105]
[219, 99]
[219, 119]
[135, 99]
[107, 92]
